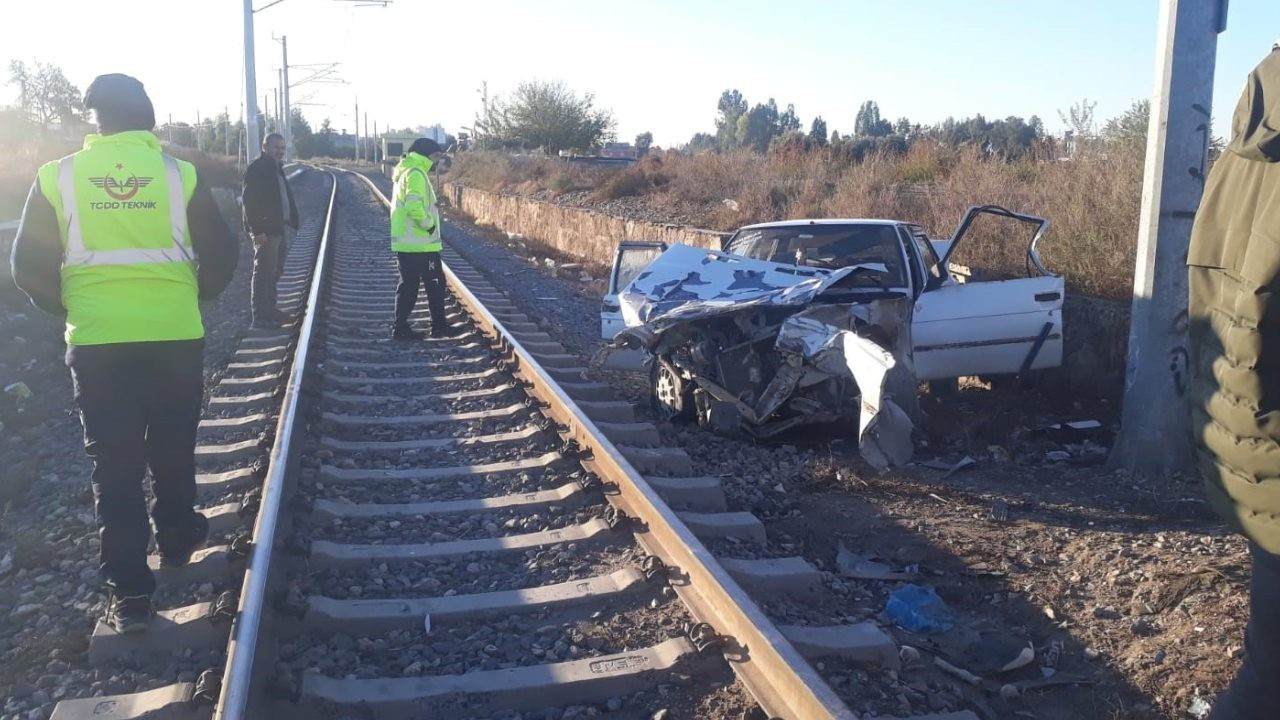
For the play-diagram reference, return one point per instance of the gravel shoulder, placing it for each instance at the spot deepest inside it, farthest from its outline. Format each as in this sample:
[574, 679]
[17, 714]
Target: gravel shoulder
[1132, 595]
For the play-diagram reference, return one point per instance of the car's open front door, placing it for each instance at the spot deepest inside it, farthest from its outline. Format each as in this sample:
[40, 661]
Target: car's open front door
[991, 327]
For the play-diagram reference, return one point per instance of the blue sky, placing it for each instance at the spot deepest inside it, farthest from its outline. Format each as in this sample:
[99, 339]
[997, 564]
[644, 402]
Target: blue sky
[659, 65]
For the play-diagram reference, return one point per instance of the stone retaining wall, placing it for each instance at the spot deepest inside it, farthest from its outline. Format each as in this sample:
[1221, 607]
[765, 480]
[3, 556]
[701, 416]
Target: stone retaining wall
[590, 237]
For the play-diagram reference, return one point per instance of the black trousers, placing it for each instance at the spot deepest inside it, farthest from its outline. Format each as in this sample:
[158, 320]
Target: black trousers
[268, 266]
[420, 269]
[140, 405]
[1252, 693]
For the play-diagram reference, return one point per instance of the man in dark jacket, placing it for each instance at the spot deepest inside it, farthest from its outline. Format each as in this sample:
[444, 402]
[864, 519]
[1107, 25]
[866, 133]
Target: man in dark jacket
[123, 241]
[270, 218]
[1234, 267]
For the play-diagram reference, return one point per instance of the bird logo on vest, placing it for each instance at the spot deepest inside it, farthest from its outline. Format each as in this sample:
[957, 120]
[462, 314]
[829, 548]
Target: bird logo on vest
[121, 190]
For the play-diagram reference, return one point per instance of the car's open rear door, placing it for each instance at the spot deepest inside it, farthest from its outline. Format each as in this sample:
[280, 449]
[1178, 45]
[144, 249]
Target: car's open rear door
[631, 258]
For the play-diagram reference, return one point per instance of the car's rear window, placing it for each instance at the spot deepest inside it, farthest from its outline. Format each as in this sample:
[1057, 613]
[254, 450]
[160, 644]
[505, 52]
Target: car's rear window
[826, 246]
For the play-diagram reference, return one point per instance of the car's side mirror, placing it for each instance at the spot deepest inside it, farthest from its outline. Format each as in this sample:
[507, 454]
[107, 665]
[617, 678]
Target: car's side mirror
[935, 281]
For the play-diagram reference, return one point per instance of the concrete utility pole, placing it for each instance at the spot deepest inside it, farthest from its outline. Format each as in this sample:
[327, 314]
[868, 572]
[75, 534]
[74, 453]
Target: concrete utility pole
[226, 111]
[1155, 434]
[356, 151]
[284, 96]
[366, 136]
[250, 87]
[199, 147]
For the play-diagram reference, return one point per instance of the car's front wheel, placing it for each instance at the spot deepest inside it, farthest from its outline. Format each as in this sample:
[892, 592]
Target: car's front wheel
[671, 395]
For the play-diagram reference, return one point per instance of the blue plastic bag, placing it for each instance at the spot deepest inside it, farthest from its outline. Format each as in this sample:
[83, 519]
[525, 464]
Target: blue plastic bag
[919, 609]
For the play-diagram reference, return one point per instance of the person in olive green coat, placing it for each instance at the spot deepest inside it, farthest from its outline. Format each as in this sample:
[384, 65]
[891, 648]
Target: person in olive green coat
[1234, 313]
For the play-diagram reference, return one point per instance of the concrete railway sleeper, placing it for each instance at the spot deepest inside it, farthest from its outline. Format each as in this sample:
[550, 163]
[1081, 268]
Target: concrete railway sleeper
[465, 526]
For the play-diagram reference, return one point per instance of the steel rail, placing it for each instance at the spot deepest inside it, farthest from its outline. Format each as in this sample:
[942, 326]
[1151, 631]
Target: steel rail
[237, 681]
[783, 683]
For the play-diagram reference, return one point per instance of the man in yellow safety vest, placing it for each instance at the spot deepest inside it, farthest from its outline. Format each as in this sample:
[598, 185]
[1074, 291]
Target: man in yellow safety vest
[416, 241]
[124, 241]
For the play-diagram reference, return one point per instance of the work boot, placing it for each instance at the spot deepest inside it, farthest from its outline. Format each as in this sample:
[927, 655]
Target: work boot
[178, 545]
[280, 317]
[265, 323]
[445, 331]
[404, 332]
[128, 614]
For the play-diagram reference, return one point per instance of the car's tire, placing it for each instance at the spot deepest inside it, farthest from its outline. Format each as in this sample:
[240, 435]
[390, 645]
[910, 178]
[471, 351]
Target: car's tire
[1013, 382]
[944, 388]
[669, 394]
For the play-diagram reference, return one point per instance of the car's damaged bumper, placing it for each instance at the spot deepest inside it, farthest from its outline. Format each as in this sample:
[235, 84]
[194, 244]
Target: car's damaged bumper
[759, 355]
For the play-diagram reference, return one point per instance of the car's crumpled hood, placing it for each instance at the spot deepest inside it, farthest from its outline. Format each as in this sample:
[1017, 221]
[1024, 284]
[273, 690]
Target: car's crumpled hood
[689, 283]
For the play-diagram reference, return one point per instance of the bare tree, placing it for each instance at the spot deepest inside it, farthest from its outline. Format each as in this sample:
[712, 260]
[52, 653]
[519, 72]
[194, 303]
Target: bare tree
[45, 94]
[1079, 117]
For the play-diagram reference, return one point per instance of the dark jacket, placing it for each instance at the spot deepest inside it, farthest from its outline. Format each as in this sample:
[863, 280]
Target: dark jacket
[1234, 312]
[36, 260]
[263, 211]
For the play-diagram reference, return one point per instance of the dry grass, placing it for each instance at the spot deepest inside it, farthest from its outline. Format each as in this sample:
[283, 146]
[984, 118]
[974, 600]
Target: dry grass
[622, 184]
[1091, 201]
[217, 170]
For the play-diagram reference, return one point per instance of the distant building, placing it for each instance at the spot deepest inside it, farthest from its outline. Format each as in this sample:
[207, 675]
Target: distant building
[434, 132]
[395, 145]
[620, 151]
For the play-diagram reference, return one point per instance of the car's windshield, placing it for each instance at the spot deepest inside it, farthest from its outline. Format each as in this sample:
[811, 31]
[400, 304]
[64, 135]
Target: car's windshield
[828, 246]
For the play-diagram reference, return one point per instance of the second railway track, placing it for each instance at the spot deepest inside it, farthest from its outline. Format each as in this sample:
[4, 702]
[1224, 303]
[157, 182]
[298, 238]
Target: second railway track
[447, 527]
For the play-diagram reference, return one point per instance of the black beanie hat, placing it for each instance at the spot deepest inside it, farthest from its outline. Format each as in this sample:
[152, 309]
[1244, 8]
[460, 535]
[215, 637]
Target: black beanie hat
[424, 147]
[120, 104]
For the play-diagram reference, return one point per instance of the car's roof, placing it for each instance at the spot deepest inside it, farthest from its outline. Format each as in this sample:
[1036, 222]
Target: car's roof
[824, 221]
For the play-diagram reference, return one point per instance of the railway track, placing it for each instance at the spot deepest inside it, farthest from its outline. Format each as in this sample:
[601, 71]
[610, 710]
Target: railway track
[462, 525]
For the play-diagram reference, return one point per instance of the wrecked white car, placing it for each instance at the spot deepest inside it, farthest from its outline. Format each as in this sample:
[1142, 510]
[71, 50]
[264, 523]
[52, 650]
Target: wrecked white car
[809, 321]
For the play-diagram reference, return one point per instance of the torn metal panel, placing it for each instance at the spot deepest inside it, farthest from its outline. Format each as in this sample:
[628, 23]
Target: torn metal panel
[884, 430]
[825, 337]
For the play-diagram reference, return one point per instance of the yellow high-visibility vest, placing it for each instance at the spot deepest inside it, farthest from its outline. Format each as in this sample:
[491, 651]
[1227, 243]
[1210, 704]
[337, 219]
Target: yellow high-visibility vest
[128, 267]
[415, 217]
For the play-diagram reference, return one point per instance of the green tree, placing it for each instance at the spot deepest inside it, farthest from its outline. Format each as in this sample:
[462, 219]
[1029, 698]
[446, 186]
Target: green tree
[216, 135]
[868, 122]
[305, 143]
[1130, 126]
[759, 126]
[789, 121]
[550, 117]
[700, 142]
[731, 107]
[643, 142]
[322, 141]
[1010, 137]
[818, 131]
